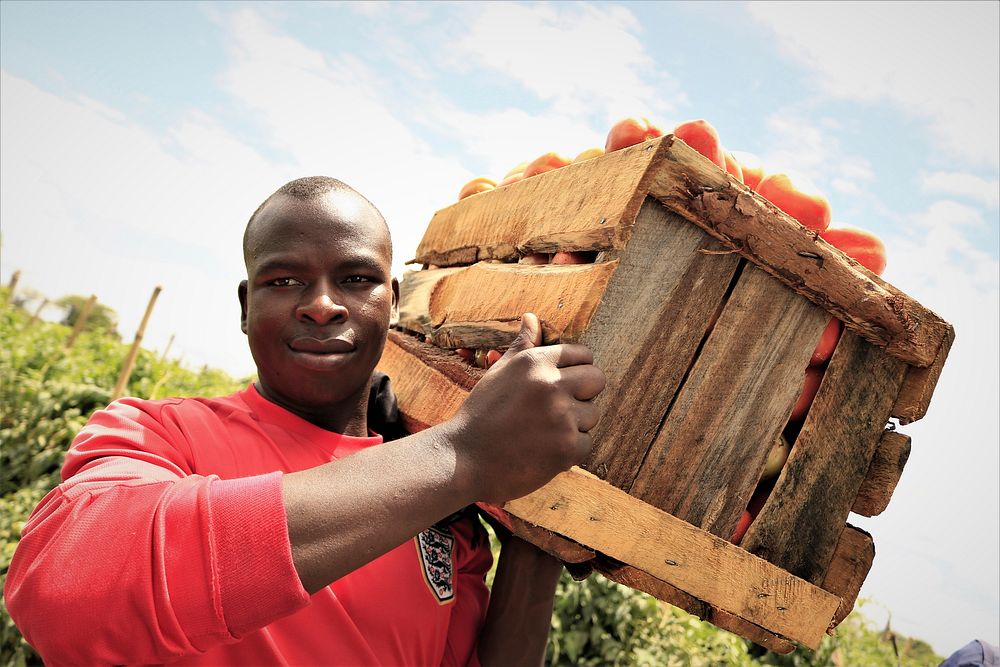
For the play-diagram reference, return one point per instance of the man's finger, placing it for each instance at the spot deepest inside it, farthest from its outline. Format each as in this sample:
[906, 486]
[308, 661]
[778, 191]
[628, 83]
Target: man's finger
[529, 336]
[566, 354]
[584, 382]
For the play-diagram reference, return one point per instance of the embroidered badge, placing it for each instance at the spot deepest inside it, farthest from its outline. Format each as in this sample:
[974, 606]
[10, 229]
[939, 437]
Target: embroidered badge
[435, 547]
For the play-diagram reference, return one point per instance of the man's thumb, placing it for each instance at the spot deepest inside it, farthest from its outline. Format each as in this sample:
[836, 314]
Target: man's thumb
[528, 337]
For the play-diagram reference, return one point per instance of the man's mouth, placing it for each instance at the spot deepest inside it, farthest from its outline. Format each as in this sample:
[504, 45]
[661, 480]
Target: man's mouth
[311, 345]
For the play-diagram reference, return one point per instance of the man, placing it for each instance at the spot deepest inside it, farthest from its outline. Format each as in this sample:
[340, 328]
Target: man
[271, 526]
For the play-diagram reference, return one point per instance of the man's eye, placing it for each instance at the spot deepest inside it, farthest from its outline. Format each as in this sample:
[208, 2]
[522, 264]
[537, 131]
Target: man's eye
[284, 282]
[358, 279]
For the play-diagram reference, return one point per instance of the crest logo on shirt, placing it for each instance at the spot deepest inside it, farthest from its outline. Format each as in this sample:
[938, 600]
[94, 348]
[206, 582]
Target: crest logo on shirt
[435, 547]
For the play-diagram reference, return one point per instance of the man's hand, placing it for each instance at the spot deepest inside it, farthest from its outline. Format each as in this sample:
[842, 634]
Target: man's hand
[529, 418]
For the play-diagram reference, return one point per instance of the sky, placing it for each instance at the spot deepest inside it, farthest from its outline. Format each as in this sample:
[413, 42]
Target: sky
[137, 138]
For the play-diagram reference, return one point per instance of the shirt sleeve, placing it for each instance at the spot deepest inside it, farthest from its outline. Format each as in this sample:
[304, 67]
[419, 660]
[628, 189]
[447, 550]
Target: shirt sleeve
[132, 559]
[473, 561]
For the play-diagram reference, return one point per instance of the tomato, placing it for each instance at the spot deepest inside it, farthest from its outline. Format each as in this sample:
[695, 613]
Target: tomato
[860, 245]
[701, 136]
[475, 186]
[544, 163]
[814, 376]
[827, 343]
[733, 167]
[629, 132]
[574, 257]
[741, 528]
[588, 154]
[753, 169]
[810, 208]
[511, 178]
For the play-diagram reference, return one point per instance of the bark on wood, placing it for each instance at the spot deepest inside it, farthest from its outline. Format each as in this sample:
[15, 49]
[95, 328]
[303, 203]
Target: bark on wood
[415, 297]
[565, 550]
[646, 330]
[582, 507]
[918, 386]
[799, 525]
[852, 559]
[707, 458]
[661, 590]
[883, 474]
[584, 206]
[704, 194]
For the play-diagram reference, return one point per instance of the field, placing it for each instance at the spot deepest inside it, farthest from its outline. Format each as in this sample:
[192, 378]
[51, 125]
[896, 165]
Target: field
[47, 393]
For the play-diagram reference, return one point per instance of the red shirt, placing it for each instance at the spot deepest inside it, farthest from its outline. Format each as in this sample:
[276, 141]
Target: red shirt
[168, 542]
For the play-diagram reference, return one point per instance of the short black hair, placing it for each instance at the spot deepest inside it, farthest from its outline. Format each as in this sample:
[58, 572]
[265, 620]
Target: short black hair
[306, 187]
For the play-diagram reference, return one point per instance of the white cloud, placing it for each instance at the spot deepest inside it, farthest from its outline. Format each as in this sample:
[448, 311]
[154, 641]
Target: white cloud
[938, 61]
[963, 185]
[575, 57]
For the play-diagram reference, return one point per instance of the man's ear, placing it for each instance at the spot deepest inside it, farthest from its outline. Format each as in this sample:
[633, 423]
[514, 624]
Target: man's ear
[394, 316]
[242, 292]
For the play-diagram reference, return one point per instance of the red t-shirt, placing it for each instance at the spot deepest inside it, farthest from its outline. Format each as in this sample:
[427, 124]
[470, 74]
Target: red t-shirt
[168, 542]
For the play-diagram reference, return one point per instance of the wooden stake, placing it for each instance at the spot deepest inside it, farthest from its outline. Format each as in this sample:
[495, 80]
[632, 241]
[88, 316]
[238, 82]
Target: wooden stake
[38, 313]
[12, 285]
[123, 377]
[81, 320]
[166, 350]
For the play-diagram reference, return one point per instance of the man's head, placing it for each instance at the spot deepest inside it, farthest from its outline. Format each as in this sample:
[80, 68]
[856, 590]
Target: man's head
[319, 297]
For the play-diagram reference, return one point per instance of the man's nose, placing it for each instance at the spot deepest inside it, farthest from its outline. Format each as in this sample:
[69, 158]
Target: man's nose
[321, 308]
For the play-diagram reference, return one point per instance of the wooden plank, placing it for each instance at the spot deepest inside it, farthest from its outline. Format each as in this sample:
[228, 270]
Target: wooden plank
[801, 521]
[883, 474]
[919, 383]
[587, 205]
[563, 297]
[589, 511]
[707, 458]
[556, 545]
[415, 296]
[661, 590]
[646, 331]
[746, 222]
[852, 559]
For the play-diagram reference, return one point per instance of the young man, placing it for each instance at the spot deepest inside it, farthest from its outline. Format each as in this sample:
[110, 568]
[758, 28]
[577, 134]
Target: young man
[271, 526]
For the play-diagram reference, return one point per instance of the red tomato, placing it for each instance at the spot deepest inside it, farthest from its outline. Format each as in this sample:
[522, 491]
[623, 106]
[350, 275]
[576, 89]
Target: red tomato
[827, 343]
[544, 163]
[753, 169]
[809, 208]
[814, 376]
[582, 257]
[511, 178]
[475, 186]
[734, 168]
[492, 356]
[629, 132]
[861, 245]
[741, 528]
[701, 136]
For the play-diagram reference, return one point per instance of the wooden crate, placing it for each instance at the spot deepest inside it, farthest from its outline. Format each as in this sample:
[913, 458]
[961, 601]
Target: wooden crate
[702, 307]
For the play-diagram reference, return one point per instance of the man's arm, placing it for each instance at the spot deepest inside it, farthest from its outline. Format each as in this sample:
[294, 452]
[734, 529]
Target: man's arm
[526, 421]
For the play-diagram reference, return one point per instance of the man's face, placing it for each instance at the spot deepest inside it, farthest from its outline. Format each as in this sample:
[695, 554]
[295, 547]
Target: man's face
[318, 299]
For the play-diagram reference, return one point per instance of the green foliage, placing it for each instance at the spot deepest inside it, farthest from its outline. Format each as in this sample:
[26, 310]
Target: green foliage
[47, 393]
[102, 318]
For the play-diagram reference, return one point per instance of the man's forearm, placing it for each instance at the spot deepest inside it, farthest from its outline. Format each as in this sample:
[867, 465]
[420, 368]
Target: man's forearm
[520, 613]
[348, 512]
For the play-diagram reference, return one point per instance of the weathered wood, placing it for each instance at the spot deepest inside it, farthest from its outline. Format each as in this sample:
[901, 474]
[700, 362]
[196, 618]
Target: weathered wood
[415, 297]
[746, 222]
[852, 559]
[588, 510]
[661, 590]
[646, 331]
[799, 525]
[565, 550]
[584, 206]
[707, 458]
[883, 474]
[919, 383]
[563, 297]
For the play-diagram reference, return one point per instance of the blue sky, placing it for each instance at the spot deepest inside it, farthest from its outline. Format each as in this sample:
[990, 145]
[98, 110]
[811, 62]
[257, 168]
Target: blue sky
[137, 138]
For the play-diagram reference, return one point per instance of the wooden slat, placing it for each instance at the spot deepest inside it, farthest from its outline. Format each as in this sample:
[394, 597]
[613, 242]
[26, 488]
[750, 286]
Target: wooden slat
[556, 545]
[584, 206]
[883, 474]
[599, 516]
[646, 330]
[704, 194]
[563, 297]
[798, 527]
[415, 296]
[852, 559]
[918, 386]
[707, 458]
[661, 590]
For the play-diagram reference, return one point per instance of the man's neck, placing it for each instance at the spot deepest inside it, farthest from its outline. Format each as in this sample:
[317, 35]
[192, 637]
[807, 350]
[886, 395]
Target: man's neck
[348, 417]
